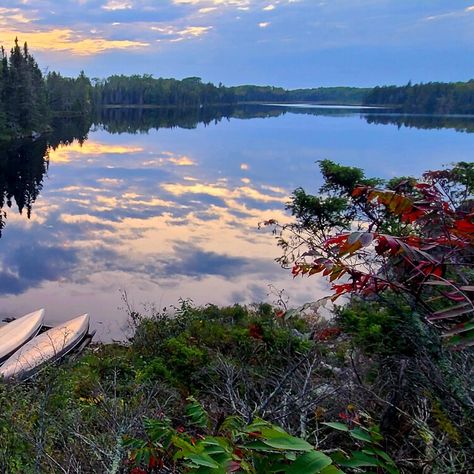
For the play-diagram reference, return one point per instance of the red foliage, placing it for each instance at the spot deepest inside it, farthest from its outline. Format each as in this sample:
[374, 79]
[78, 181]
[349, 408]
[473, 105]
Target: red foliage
[328, 333]
[138, 470]
[436, 234]
[255, 331]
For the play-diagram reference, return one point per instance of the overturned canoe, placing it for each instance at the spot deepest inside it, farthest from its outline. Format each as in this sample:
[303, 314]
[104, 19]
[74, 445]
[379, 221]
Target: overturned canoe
[13, 335]
[47, 347]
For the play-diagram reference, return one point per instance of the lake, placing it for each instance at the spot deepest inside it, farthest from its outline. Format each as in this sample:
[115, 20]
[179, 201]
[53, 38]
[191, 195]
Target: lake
[165, 204]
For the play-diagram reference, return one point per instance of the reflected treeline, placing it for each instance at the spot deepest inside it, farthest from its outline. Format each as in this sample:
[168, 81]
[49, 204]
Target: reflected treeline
[22, 167]
[458, 123]
[142, 120]
[23, 164]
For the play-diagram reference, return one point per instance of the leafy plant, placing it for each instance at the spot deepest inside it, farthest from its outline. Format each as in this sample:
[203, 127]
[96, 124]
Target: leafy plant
[248, 448]
[414, 238]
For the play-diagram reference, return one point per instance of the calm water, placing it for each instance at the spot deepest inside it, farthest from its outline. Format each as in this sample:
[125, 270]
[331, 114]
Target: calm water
[172, 212]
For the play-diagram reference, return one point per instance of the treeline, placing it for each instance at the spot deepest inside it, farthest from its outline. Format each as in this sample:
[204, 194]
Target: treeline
[192, 92]
[29, 101]
[430, 98]
[23, 104]
[146, 90]
[322, 95]
[69, 95]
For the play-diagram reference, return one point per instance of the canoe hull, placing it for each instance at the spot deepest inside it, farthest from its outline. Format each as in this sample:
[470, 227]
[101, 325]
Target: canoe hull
[17, 333]
[45, 348]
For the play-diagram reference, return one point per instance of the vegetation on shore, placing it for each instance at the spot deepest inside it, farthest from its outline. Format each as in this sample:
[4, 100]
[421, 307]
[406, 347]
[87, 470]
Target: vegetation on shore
[376, 387]
[429, 98]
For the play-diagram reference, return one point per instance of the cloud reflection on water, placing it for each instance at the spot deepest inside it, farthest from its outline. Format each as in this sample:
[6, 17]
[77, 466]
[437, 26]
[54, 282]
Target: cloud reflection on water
[130, 216]
[174, 213]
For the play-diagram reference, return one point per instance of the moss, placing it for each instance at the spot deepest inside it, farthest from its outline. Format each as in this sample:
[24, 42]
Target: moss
[444, 423]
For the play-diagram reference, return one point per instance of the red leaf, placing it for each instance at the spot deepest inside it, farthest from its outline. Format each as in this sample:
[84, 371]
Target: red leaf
[255, 331]
[453, 296]
[464, 225]
[137, 470]
[359, 190]
[234, 466]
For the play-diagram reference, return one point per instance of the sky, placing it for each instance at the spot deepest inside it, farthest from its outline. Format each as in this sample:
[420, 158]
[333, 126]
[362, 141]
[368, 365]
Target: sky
[288, 43]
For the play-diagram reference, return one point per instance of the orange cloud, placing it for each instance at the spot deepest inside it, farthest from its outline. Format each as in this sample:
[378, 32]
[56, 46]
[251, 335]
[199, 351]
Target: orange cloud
[64, 39]
[65, 154]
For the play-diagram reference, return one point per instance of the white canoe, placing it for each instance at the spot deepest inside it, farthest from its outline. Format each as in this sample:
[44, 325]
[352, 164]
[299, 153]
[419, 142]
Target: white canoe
[13, 335]
[47, 347]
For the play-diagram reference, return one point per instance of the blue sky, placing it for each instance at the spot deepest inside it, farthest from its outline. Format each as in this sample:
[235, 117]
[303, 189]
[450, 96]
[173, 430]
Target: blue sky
[290, 43]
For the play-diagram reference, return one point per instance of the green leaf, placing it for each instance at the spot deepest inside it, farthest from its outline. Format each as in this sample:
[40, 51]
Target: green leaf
[273, 432]
[184, 445]
[331, 470]
[202, 460]
[360, 459]
[257, 445]
[257, 425]
[196, 413]
[336, 425]
[309, 463]
[360, 434]
[288, 443]
[384, 456]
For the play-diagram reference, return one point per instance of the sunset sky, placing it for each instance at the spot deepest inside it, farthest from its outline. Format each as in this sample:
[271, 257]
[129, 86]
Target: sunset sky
[289, 43]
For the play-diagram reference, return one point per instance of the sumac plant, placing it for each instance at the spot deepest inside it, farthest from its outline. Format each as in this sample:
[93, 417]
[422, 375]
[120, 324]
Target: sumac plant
[254, 448]
[410, 236]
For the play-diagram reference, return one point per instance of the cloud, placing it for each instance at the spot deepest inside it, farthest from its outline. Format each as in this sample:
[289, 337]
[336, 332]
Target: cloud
[194, 30]
[207, 10]
[173, 33]
[192, 261]
[29, 265]
[214, 3]
[14, 15]
[451, 14]
[66, 153]
[182, 161]
[68, 40]
[215, 190]
[264, 24]
[113, 5]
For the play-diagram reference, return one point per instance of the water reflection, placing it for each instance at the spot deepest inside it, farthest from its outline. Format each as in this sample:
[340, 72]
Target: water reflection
[173, 213]
[458, 123]
[142, 120]
[22, 167]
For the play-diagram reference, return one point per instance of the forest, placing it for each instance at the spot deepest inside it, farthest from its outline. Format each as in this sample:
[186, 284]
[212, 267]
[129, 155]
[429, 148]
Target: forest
[430, 98]
[29, 100]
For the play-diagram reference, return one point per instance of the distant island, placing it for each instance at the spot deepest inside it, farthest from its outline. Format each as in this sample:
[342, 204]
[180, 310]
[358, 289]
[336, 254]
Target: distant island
[30, 100]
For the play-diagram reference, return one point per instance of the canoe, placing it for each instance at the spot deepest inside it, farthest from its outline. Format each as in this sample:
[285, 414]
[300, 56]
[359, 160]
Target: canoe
[13, 335]
[47, 347]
